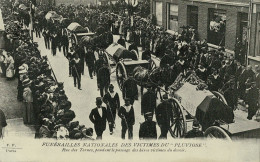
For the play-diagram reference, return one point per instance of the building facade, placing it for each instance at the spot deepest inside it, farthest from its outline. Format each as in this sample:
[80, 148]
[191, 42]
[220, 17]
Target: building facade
[220, 22]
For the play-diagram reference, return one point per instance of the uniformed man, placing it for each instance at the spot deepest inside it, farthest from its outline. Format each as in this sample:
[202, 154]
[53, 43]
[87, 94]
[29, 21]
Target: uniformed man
[148, 128]
[113, 104]
[164, 116]
[98, 116]
[126, 113]
[195, 132]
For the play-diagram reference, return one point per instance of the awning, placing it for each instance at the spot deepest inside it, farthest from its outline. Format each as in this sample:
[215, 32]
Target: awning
[2, 27]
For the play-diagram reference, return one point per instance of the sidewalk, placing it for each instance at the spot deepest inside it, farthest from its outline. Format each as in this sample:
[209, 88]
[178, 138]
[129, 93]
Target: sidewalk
[12, 109]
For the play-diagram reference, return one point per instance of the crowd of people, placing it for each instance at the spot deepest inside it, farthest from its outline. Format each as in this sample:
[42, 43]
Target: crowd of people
[179, 53]
[46, 104]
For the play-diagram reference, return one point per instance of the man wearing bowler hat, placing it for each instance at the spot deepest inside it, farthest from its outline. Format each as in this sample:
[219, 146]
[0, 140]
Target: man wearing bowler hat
[98, 116]
[112, 101]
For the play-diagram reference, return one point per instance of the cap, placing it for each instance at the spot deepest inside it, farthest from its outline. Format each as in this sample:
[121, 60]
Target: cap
[196, 124]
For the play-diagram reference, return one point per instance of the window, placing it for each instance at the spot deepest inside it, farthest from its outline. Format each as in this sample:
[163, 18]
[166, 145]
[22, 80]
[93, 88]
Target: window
[217, 27]
[192, 16]
[158, 12]
[173, 17]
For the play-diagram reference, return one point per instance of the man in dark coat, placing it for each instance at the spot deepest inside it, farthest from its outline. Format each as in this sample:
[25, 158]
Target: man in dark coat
[252, 100]
[76, 71]
[46, 36]
[148, 128]
[195, 132]
[54, 43]
[164, 116]
[146, 55]
[81, 52]
[245, 75]
[130, 89]
[113, 103]
[133, 46]
[121, 41]
[90, 61]
[148, 102]
[126, 113]
[98, 116]
[257, 76]
[103, 79]
[2, 122]
[65, 44]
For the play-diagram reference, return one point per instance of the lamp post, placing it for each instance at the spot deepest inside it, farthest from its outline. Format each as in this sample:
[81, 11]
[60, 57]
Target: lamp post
[249, 29]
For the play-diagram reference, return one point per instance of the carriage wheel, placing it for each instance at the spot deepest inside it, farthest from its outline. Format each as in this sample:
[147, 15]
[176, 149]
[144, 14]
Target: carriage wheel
[178, 126]
[121, 74]
[216, 132]
[220, 96]
[74, 39]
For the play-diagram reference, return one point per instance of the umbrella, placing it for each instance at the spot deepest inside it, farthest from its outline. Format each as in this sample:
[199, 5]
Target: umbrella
[52, 15]
[22, 6]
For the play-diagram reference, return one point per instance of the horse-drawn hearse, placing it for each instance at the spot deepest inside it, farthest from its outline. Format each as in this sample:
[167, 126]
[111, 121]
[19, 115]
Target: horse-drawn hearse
[191, 100]
[125, 62]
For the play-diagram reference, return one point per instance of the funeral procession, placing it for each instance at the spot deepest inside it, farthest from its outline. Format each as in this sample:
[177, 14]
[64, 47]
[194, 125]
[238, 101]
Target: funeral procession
[130, 69]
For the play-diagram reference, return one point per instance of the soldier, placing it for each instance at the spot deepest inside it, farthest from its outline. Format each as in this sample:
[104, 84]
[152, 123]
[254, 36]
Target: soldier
[164, 116]
[98, 116]
[126, 113]
[148, 128]
[112, 101]
[76, 71]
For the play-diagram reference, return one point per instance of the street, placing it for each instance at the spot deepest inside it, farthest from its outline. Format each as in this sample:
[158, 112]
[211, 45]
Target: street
[83, 101]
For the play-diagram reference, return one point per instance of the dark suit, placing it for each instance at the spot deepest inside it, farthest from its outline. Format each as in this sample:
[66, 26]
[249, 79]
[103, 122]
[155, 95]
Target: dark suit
[148, 130]
[164, 115]
[252, 99]
[130, 90]
[148, 102]
[90, 61]
[127, 122]
[103, 80]
[98, 121]
[257, 80]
